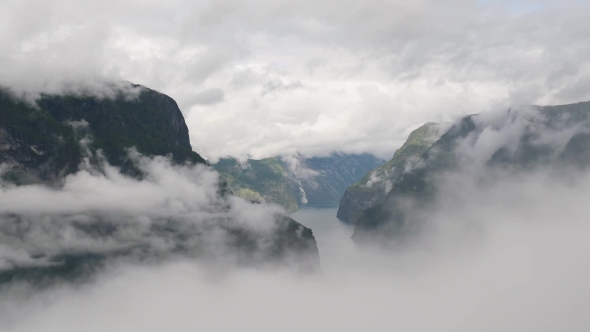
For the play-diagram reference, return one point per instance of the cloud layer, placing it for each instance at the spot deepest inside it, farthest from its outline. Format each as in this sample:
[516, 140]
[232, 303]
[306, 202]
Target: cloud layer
[507, 258]
[507, 254]
[263, 77]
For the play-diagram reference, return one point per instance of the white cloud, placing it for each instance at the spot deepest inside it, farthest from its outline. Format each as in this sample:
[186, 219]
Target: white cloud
[37, 219]
[352, 76]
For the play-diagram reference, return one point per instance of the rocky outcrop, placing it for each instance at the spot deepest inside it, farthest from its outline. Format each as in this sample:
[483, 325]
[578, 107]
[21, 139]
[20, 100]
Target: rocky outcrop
[374, 186]
[550, 138]
[43, 257]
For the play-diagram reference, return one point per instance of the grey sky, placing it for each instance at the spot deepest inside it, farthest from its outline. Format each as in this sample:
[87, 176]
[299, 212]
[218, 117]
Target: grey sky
[260, 78]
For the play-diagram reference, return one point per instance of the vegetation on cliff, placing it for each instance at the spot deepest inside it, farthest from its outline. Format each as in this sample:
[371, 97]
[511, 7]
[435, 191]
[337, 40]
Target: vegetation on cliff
[43, 139]
[480, 148]
[262, 181]
[295, 182]
[374, 186]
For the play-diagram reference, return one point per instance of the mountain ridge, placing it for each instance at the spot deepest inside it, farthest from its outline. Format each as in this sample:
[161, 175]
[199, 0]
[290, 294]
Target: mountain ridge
[297, 181]
[534, 138]
[374, 186]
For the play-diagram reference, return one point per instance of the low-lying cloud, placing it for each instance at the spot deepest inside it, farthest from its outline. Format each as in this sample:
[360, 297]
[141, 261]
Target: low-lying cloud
[508, 257]
[496, 251]
[174, 210]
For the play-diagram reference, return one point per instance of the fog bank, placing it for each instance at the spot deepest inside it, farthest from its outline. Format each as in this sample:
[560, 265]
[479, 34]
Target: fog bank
[172, 211]
[509, 256]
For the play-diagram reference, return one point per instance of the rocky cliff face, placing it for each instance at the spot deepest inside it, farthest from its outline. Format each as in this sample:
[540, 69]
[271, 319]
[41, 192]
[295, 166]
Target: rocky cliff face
[60, 146]
[540, 138]
[374, 186]
[43, 140]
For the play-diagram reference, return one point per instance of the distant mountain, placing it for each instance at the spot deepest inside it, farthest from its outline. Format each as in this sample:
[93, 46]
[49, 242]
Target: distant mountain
[321, 181]
[553, 138]
[298, 181]
[262, 181]
[374, 186]
[41, 145]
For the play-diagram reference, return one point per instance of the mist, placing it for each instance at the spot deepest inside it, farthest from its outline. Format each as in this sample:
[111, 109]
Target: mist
[172, 211]
[506, 255]
[496, 249]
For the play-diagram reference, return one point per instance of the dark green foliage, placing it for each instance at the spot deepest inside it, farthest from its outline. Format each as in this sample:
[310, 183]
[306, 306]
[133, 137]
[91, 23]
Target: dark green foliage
[254, 172]
[270, 180]
[41, 138]
[25, 130]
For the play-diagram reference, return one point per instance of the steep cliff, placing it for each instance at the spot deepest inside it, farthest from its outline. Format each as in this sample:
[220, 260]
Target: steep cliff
[43, 140]
[479, 147]
[374, 186]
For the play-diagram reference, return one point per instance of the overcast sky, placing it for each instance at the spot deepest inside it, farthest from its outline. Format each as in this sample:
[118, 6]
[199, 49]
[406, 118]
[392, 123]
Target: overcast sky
[265, 77]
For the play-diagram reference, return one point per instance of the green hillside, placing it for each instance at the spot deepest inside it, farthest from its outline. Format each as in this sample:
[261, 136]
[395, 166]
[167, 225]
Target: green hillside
[373, 187]
[263, 181]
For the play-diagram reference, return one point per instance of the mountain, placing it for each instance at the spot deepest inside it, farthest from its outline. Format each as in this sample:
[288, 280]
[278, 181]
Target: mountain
[321, 181]
[297, 181]
[262, 181]
[64, 144]
[43, 140]
[553, 138]
[374, 186]
[79, 257]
